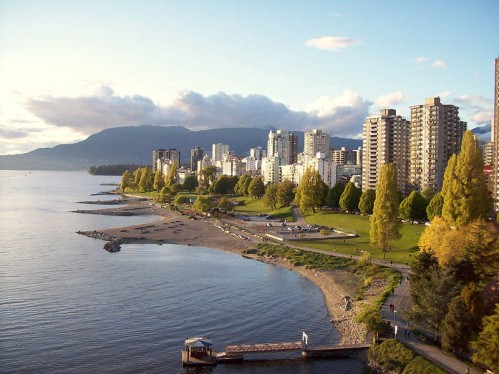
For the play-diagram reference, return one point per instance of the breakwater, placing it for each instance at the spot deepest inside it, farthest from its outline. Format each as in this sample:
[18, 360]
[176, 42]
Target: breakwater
[113, 243]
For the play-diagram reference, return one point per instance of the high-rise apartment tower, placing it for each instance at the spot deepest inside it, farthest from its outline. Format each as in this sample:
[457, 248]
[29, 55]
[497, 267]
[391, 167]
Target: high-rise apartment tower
[436, 134]
[495, 137]
[385, 140]
[197, 154]
[316, 141]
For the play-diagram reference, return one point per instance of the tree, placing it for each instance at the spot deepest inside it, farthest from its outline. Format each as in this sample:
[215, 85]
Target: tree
[487, 345]
[350, 198]
[334, 195]
[464, 190]
[126, 181]
[311, 190]
[202, 204]
[190, 183]
[159, 180]
[207, 176]
[223, 185]
[256, 188]
[366, 202]
[432, 289]
[225, 204]
[385, 224]
[435, 206]
[463, 319]
[285, 193]
[413, 207]
[427, 194]
[146, 180]
[270, 197]
[171, 177]
[241, 187]
[180, 200]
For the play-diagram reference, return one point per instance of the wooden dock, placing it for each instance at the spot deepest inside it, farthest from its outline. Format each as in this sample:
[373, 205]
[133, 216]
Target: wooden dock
[265, 347]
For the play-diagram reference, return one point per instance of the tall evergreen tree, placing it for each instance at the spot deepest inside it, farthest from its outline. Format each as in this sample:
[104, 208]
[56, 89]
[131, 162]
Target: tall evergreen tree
[464, 190]
[126, 181]
[171, 178]
[487, 345]
[311, 190]
[349, 200]
[334, 195]
[413, 207]
[385, 224]
[366, 202]
[435, 206]
[159, 180]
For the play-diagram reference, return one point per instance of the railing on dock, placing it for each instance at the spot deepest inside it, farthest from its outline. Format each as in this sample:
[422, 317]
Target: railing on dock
[265, 347]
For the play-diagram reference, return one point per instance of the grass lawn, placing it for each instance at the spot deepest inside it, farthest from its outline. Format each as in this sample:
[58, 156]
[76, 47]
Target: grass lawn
[255, 206]
[402, 250]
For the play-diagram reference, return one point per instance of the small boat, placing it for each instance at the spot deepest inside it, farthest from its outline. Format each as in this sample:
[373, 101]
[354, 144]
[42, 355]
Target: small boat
[198, 352]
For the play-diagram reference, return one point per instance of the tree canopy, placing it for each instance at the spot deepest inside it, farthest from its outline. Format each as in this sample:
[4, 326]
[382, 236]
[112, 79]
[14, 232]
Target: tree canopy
[256, 188]
[413, 207]
[270, 197]
[435, 206]
[385, 224]
[334, 195]
[311, 190]
[464, 189]
[366, 202]
[285, 192]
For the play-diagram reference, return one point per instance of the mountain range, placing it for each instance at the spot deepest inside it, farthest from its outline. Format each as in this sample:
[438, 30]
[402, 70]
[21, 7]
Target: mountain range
[134, 145]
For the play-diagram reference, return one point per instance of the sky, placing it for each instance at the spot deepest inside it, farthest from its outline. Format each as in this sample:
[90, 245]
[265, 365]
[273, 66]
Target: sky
[71, 68]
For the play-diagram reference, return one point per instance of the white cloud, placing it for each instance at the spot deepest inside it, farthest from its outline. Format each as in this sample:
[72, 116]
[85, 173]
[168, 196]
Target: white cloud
[332, 43]
[440, 64]
[389, 99]
[443, 94]
[341, 116]
[421, 59]
[478, 108]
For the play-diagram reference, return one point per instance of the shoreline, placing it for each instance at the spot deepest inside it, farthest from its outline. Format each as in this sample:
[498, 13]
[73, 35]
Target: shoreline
[220, 234]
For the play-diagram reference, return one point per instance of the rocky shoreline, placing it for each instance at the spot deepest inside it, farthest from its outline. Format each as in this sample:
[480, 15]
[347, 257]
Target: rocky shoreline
[113, 243]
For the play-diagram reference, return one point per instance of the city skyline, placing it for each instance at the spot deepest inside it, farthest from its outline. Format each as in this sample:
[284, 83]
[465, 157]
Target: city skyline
[71, 69]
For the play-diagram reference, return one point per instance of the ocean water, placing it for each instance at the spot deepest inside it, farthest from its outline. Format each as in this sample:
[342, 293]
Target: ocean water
[68, 306]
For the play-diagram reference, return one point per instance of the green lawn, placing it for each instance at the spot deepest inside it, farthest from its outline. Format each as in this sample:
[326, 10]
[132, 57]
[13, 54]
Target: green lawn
[402, 250]
[255, 206]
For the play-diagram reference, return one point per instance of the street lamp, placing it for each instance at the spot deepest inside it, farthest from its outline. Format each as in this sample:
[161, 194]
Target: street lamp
[395, 323]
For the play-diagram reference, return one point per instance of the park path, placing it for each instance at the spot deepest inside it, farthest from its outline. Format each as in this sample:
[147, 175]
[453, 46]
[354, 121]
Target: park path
[401, 299]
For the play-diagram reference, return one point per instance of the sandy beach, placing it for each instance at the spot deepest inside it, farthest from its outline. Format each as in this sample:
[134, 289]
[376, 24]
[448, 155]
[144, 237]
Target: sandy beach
[229, 235]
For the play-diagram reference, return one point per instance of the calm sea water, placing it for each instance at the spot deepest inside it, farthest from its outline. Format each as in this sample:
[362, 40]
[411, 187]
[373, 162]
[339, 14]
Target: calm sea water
[68, 306]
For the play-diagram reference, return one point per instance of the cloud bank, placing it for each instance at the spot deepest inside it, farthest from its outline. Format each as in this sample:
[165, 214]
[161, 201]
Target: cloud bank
[341, 116]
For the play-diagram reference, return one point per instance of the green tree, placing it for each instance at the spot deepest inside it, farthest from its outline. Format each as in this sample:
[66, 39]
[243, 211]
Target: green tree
[427, 194]
[202, 204]
[223, 185]
[464, 190]
[241, 187]
[207, 176]
[165, 194]
[256, 188]
[366, 202]
[159, 180]
[225, 204]
[385, 224]
[462, 321]
[432, 289]
[285, 192]
[190, 183]
[311, 190]
[435, 206]
[350, 198]
[391, 355]
[180, 200]
[487, 345]
[126, 181]
[334, 195]
[146, 180]
[171, 178]
[270, 197]
[413, 207]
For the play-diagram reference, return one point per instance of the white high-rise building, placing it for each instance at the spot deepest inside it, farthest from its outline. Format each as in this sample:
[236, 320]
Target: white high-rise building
[385, 140]
[436, 134]
[217, 152]
[316, 141]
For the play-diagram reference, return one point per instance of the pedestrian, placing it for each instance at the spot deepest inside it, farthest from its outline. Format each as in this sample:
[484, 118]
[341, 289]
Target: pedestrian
[408, 332]
[393, 290]
[400, 281]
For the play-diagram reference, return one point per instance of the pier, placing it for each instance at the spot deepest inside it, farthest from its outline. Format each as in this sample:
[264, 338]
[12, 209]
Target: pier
[235, 353]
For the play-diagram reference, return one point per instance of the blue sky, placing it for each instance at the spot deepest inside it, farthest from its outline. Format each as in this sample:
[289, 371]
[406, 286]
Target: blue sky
[71, 68]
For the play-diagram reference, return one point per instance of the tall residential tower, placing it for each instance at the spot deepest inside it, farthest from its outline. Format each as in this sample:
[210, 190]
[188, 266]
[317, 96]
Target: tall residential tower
[436, 134]
[385, 140]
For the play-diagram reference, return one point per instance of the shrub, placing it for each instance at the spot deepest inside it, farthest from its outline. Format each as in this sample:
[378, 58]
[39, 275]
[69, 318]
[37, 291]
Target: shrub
[391, 355]
[420, 365]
